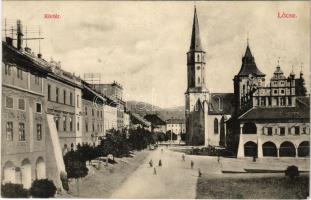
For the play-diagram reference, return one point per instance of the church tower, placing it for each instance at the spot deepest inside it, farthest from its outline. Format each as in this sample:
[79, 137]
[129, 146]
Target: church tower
[197, 94]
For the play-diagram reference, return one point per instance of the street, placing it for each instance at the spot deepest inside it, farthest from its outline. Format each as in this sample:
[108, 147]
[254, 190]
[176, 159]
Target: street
[175, 179]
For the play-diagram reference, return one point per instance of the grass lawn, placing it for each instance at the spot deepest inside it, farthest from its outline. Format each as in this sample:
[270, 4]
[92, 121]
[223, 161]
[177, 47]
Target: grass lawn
[103, 182]
[279, 187]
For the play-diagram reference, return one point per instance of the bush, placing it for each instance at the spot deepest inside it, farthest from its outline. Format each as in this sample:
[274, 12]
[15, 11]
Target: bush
[11, 190]
[42, 188]
[292, 171]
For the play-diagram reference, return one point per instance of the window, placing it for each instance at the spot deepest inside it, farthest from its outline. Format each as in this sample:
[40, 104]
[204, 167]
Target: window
[304, 130]
[56, 122]
[289, 101]
[282, 82]
[57, 93]
[282, 101]
[64, 123]
[7, 70]
[9, 131]
[198, 79]
[198, 67]
[19, 74]
[198, 58]
[21, 132]
[85, 110]
[269, 131]
[215, 125]
[101, 114]
[92, 112]
[39, 132]
[297, 130]
[21, 104]
[275, 91]
[86, 126]
[65, 95]
[78, 124]
[269, 101]
[70, 98]
[71, 123]
[37, 79]
[263, 101]
[38, 107]
[49, 92]
[282, 91]
[93, 127]
[78, 101]
[282, 131]
[9, 102]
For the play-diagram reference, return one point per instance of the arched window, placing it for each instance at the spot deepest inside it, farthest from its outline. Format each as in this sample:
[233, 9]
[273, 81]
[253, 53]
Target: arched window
[198, 79]
[287, 149]
[216, 126]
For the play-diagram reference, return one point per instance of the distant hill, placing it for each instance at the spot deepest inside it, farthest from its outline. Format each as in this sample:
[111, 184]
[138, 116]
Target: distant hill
[143, 108]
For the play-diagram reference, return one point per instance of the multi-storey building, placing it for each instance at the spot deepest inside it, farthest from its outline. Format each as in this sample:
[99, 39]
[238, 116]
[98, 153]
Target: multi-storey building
[176, 126]
[99, 115]
[113, 91]
[64, 103]
[28, 149]
[272, 120]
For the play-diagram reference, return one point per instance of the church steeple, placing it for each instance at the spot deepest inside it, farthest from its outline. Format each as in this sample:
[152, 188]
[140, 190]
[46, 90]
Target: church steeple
[195, 37]
[248, 64]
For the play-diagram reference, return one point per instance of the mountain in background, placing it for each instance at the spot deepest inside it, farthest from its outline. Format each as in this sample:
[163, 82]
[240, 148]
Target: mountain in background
[143, 108]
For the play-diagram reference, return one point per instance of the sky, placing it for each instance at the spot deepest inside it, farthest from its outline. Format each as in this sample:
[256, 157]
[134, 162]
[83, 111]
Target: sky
[142, 45]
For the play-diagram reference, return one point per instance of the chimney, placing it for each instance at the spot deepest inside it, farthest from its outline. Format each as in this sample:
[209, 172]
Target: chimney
[19, 35]
[9, 41]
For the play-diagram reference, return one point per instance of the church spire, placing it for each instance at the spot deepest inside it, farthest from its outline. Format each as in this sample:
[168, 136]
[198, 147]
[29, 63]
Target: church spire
[195, 37]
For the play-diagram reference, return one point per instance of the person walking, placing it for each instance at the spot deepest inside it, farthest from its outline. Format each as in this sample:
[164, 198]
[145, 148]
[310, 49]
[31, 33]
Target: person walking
[199, 172]
[161, 150]
[154, 171]
[160, 163]
[191, 164]
[183, 157]
[151, 163]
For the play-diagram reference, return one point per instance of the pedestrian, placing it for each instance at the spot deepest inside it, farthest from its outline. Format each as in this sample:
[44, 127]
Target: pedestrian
[161, 150]
[151, 163]
[154, 171]
[218, 159]
[199, 172]
[160, 163]
[183, 157]
[192, 163]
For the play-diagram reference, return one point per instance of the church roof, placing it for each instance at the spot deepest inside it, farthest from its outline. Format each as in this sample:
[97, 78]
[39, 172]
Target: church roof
[248, 65]
[195, 37]
[221, 104]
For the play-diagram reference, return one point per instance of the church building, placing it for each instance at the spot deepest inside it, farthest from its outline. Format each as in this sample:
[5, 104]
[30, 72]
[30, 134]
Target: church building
[205, 112]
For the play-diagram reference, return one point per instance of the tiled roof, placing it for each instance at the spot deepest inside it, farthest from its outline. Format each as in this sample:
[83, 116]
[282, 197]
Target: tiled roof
[137, 119]
[248, 65]
[225, 107]
[277, 113]
[175, 121]
[154, 119]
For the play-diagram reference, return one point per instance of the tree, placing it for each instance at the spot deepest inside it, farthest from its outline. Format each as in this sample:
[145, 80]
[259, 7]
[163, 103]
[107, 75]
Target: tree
[42, 188]
[11, 190]
[292, 171]
[300, 88]
[75, 166]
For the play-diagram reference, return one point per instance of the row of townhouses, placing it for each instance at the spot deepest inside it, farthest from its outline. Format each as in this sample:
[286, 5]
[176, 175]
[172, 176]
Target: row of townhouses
[47, 111]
